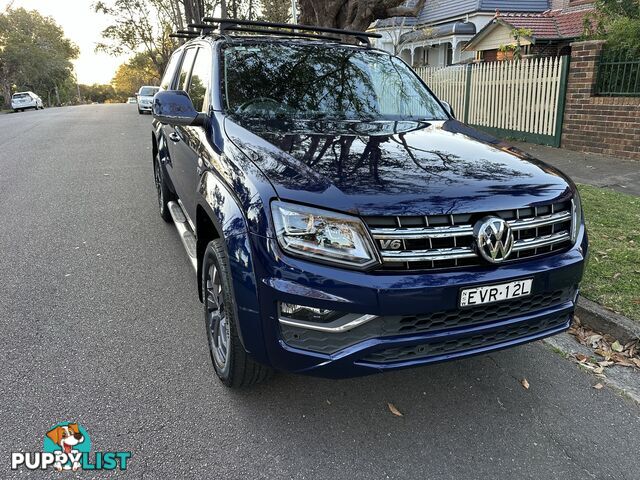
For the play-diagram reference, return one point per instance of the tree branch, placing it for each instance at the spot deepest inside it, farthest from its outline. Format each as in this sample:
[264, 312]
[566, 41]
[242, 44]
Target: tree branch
[404, 11]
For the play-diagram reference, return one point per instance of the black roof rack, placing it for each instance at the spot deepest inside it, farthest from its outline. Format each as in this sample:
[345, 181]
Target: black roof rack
[225, 25]
[184, 35]
[284, 33]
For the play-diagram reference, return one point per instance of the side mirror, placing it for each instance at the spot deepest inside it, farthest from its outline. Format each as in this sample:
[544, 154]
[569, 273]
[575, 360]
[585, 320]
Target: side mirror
[174, 107]
[447, 106]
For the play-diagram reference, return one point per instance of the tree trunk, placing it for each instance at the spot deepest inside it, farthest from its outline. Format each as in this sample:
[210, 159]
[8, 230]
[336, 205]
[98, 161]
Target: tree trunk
[354, 14]
[6, 93]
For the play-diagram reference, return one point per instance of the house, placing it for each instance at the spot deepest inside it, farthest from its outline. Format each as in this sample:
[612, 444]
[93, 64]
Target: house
[439, 34]
[543, 34]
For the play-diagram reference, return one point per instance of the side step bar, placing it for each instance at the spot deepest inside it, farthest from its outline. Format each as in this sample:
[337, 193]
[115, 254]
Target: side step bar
[184, 230]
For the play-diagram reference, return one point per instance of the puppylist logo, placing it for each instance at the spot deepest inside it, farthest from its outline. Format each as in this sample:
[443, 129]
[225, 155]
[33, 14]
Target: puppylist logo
[67, 446]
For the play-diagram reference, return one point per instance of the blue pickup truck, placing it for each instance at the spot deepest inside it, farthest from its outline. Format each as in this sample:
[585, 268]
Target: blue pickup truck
[341, 221]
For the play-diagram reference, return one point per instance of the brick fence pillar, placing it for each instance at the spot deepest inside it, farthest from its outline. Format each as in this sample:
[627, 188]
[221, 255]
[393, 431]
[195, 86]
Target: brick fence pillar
[607, 125]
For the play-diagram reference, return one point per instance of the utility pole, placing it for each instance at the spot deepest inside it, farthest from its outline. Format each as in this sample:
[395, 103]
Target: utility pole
[294, 12]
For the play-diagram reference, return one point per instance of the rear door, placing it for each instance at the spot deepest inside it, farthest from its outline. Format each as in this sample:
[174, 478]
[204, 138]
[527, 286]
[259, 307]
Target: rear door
[187, 151]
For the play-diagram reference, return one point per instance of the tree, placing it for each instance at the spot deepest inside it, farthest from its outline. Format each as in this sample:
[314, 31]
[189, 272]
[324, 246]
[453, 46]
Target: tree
[132, 75]
[35, 55]
[97, 93]
[355, 14]
[618, 23]
[139, 26]
[277, 11]
[243, 9]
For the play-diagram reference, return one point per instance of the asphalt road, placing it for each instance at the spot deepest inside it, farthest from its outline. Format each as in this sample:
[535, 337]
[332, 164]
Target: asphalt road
[100, 324]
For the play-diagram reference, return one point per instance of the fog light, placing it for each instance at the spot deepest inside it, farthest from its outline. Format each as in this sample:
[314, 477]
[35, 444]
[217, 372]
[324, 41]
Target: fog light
[308, 314]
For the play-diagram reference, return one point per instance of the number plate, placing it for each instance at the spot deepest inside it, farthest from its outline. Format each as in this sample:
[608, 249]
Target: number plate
[495, 293]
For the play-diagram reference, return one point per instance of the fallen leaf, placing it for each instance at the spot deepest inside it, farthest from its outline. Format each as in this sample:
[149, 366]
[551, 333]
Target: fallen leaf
[616, 347]
[598, 370]
[604, 353]
[394, 410]
[525, 383]
[605, 363]
[636, 362]
[616, 276]
[594, 339]
[598, 386]
[624, 363]
[581, 357]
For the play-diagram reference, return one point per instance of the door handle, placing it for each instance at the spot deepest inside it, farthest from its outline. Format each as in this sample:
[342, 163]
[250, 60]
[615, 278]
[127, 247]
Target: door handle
[174, 137]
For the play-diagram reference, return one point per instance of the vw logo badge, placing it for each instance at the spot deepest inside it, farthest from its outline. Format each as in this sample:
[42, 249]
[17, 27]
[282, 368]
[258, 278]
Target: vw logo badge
[494, 239]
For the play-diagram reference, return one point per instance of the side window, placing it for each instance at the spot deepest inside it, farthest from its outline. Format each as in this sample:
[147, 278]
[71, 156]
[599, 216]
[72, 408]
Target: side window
[187, 63]
[170, 72]
[200, 77]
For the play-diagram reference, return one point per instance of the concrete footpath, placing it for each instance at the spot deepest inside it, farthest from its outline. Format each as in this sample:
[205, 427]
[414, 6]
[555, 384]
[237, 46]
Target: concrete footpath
[592, 169]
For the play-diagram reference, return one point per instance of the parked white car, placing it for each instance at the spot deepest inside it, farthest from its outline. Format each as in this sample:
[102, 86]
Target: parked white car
[133, 100]
[20, 101]
[145, 98]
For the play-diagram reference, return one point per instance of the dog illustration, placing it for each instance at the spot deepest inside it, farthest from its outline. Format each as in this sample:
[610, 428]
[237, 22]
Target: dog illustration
[66, 437]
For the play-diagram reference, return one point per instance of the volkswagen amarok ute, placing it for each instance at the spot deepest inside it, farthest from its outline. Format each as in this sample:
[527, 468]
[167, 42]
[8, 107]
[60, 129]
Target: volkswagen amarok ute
[342, 222]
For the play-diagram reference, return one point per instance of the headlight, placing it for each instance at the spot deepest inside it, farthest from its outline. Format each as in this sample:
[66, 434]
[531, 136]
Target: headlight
[323, 236]
[576, 216]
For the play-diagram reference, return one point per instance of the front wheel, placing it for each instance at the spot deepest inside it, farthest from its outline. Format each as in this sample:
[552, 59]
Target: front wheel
[232, 363]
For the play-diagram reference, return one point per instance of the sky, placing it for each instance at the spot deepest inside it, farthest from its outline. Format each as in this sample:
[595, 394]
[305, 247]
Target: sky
[83, 26]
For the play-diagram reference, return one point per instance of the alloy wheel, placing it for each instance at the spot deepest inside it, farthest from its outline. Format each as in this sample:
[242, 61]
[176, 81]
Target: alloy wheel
[217, 321]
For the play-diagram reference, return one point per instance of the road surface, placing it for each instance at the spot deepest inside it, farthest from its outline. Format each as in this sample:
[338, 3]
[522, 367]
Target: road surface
[100, 324]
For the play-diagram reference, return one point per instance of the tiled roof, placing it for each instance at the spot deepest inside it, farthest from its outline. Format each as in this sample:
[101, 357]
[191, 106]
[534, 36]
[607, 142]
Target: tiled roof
[552, 24]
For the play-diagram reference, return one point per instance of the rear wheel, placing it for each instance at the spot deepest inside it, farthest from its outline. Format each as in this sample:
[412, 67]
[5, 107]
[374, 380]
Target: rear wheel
[232, 363]
[164, 194]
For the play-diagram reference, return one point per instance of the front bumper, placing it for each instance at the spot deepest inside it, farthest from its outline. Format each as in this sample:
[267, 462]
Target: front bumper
[144, 107]
[417, 301]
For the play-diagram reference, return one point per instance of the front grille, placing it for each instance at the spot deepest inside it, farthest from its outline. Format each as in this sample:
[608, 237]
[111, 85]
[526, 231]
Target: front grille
[447, 241]
[394, 325]
[460, 344]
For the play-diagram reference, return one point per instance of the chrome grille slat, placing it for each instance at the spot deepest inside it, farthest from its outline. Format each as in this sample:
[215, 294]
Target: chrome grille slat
[382, 233]
[447, 241]
[428, 255]
[539, 242]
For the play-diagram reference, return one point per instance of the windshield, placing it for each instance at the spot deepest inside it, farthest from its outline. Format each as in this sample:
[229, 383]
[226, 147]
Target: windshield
[148, 91]
[312, 82]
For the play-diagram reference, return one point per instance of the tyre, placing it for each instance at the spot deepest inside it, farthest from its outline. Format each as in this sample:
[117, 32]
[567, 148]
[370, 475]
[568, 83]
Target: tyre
[162, 189]
[140, 112]
[233, 365]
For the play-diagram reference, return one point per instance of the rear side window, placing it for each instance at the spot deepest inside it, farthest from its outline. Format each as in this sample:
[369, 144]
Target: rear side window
[187, 63]
[170, 72]
[200, 77]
